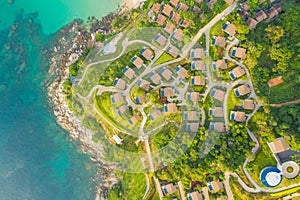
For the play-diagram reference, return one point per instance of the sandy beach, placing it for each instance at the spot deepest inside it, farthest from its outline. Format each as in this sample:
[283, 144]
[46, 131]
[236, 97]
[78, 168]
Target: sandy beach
[130, 4]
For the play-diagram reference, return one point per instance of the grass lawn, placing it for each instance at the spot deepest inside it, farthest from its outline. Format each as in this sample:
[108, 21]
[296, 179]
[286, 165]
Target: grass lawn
[232, 102]
[133, 186]
[285, 193]
[163, 58]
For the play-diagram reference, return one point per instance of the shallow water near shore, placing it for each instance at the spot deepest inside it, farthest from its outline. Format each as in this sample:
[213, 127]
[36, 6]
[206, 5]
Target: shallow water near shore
[37, 160]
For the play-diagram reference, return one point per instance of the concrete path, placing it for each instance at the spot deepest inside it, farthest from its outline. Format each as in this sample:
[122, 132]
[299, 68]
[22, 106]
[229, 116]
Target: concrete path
[286, 103]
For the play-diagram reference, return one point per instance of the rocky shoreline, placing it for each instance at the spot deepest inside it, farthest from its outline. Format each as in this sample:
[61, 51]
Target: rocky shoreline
[72, 40]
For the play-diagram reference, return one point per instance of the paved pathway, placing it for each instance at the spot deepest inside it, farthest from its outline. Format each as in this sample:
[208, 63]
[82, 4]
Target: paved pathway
[227, 186]
[181, 190]
[285, 103]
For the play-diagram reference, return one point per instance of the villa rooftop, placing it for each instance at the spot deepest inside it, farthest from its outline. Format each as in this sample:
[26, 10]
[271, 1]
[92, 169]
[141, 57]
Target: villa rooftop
[217, 126]
[239, 52]
[128, 72]
[194, 96]
[169, 189]
[197, 53]
[275, 81]
[137, 61]
[279, 145]
[146, 53]
[161, 19]
[170, 108]
[167, 92]
[122, 109]
[197, 80]
[173, 51]
[181, 72]
[194, 196]
[134, 119]
[117, 98]
[216, 112]
[140, 99]
[272, 12]
[185, 23]
[245, 5]
[183, 7]
[211, 3]
[230, 29]
[167, 10]
[155, 8]
[155, 114]
[221, 64]
[198, 65]
[260, 15]
[160, 39]
[169, 28]
[174, 2]
[248, 104]
[155, 78]
[219, 41]
[175, 17]
[215, 186]
[218, 94]
[238, 116]
[119, 83]
[166, 73]
[237, 72]
[178, 34]
[251, 23]
[191, 116]
[242, 90]
[192, 127]
[144, 85]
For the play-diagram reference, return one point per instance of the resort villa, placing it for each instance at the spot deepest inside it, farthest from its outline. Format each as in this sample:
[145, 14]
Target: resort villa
[169, 189]
[173, 51]
[197, 81]
[155, 78]
[166, 73]
[193, 96]
[160, 39]
[170, 108]
[229, 28]
[218, 94]
[155, 114]
[117, 98]
[120, 83]
[191, 116]
[238, 116]
[137, 62]
[237, 72]
[275, 81]
[128, 72]
[145, 85]
[194, 196]
[242, 90]
[197, 53]
[215, 186]
[192, 127]
[219, 41]
[248, 104]
[221, 64]
[216, 112]
[198, 65]
[217, 126]
[146, 53]
[181, 72]
[239, 52]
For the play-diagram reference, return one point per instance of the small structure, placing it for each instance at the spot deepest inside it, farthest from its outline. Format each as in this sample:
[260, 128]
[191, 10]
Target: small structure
[279, 145]
[244, 14]
[167, 92]
[145, 85]
[239, 52]
[194, 196]
[174, 2]
[191, 116]
[193, 96]
[242, 90]
[183, 7]
[192, 127]
[218, 94]
[155, 78]
[140, 99]
[275, 81]
[238, 116]
[169, 28]
[197, 53]
[216, 112]
[215, 186]
[181, 72]
[219, 41]
[290, 169]
[198, 65]
[170, 108]
[154, 114]
[221, 64]
[128, 72]
[173, 51]
[197, 80]
[251, 23]
[229, 1]
[272, 12]
[175, 17]
[245, 5]
[160, 39]
[248, 104]
[166, 73]
[185, 23]
[278, 7]
[217, 126]
[134, 119]
[260, 15]
[137, 61]
[237, 72]
[167, 10]
[122, 109]
[146, 53]
[177, 35]
[160, 19]
[117, 139]
[117, 98]
[119, 83]
[230, 29]
[155, 7]
[169, 189]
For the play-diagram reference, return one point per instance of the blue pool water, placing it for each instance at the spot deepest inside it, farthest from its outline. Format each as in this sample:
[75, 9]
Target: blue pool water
[37, 160]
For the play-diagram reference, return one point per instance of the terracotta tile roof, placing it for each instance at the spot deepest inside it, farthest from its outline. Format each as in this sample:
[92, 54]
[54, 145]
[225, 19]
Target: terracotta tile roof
[175, 17]
[155, 78]
[174, 2]
[238, 116]
[182, 72]
[217, 126]
[155, 8]
[249, 104]
[161, 19]
[198, 65]
[147, 53]
[251, 23]
[173, 51]
[129, 73]
[280, 145]
[117, 98]
[272, 12]
[169, 189]
[183, 7]
[221, 64]
[185, 23]
[260, 15]
[243, 89]
[218, 94]
[167, 10]
[167, 92]
[120, 83]
[192, 127]
[240, 52]
[166, 73]
[154, 114]
[217, 185]
[194, 96]
[238, 72]
[197, 80]
[194, 196]
[169, 28]
[220, 41]
[197, 53]
[160, 39]
[217, 112]
[230, 29]
[211, 3]
[144, 85]
[137, 61]
[275, 81]
[170, 108]
[245, 5]
[192, 116]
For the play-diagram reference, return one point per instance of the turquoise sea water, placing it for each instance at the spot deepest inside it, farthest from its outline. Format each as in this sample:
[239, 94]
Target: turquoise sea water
[37, 161]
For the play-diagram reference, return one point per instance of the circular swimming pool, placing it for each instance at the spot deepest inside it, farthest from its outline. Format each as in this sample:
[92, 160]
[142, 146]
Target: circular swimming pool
[271, 176]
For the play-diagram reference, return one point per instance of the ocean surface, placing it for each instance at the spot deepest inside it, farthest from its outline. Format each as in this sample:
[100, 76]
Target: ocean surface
[37, 160]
